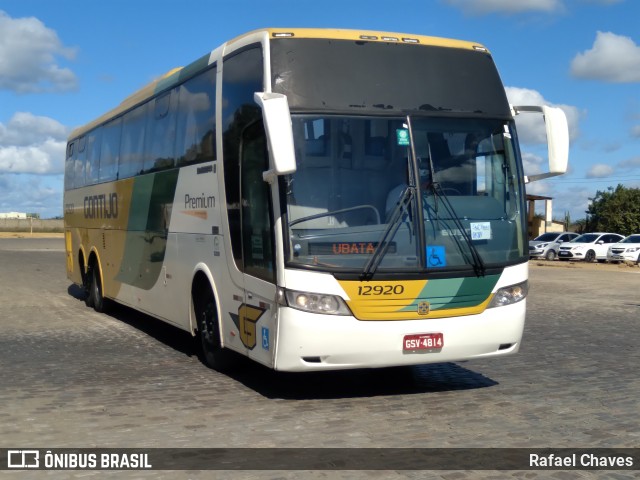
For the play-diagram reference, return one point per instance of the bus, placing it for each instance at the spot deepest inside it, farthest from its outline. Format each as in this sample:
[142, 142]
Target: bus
[313, 199]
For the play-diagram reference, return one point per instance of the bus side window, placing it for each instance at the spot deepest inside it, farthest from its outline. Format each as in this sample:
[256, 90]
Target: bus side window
[161, 133]
[132, 146]
[110, 150]
[80, 163]
[242, 76]
[195, 134]
[93, 157]
[69, 166]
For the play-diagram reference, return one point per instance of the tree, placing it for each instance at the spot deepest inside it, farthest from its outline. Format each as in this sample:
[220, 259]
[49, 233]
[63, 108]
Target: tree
[580, 225]
[567, 221]
[615, 210]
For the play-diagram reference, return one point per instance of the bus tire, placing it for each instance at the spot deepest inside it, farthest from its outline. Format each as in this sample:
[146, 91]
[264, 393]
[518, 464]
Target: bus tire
[95, 297]
[213, 355]
[87, 280]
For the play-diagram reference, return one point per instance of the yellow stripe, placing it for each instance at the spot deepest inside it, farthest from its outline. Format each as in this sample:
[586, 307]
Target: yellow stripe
[387, 300]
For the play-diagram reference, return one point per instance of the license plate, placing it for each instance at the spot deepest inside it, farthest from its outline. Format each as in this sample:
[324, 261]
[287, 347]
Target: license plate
[563, 254]
[423, 341]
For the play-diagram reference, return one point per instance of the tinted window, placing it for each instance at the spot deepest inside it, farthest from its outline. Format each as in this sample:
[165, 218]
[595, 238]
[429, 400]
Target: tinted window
[110, 150]
[549, 237]
[328, 74]
[242, 77]
[69, 165]
[257, 233]
[80, 164]
[93, 157]
[161, 133]
[586, 238]
[195, 135]
[132, 147]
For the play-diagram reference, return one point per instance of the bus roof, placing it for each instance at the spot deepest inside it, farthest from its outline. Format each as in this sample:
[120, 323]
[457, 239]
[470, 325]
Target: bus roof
[177, 75]
[369, 35]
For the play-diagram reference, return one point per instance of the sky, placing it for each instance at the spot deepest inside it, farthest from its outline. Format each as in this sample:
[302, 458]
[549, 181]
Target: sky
[65, 62]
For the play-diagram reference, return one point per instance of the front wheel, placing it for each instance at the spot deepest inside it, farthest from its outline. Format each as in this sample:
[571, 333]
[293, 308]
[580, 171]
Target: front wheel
[213, 354]
[551, 255]
[590, 256]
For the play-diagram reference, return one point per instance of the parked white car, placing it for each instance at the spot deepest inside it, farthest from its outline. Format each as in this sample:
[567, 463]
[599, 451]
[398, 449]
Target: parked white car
[627, 249]
[588, 247]
[548, 244]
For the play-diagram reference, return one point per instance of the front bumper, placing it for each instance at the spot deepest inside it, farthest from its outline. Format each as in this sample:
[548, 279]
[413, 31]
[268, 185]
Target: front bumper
[321, 342]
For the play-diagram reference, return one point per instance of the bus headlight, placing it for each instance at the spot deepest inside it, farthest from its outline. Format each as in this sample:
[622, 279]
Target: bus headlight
[316, 302]
[508, 295]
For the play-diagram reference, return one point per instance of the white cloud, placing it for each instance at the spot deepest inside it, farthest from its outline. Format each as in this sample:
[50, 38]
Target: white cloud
[28, 57]
[32, 144]
[600, 170]
[613, 58]
[635, 131]
[481, 7]
[531, 127]
[44, 194]
[532, 164]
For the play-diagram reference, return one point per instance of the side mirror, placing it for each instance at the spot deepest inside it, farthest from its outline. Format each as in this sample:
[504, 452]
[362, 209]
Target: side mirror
[557, 138]
[277, 123]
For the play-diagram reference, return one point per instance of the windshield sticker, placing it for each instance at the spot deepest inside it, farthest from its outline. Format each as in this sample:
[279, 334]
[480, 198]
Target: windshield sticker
[481, 231]
[402, 137]
[436, 256]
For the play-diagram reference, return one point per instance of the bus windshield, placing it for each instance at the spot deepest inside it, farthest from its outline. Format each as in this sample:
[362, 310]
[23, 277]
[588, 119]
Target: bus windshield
[451, 186]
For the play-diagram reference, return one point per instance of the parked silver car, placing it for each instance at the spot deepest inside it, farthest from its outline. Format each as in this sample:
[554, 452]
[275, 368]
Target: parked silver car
[547, 245]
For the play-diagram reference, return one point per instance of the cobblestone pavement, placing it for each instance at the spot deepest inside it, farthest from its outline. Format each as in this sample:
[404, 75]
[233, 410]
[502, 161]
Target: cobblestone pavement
[70, 377]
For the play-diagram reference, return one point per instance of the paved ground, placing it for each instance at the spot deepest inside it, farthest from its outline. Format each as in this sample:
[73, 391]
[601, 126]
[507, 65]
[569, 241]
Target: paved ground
[70, 377]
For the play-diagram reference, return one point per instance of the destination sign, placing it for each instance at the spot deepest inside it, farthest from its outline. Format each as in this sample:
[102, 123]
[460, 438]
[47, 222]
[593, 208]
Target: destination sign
[346, 248]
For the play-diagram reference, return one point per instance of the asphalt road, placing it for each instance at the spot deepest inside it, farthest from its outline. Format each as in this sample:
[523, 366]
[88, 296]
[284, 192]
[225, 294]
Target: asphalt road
[70, 377]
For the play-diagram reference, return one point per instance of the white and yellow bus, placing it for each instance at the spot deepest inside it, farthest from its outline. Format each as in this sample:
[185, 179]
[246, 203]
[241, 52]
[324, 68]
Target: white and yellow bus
[313, 199]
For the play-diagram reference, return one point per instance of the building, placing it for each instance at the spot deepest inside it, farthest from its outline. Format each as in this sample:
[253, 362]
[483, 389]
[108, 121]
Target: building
[13, 215]
[538, 226]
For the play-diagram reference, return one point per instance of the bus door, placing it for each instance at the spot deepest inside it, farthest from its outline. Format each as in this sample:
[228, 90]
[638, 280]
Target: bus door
[258, 314]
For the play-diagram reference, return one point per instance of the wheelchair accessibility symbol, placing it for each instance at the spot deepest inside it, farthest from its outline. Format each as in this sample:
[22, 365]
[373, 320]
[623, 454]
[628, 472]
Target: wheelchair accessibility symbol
[436, 257]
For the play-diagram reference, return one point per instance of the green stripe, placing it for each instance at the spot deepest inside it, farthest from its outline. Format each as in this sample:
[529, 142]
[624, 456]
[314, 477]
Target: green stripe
[451, 293]
[146, 236]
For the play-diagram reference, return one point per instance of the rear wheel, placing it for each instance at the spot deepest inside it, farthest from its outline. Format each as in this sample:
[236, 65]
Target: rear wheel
[590, 256]
[95, 297]
[213, 354]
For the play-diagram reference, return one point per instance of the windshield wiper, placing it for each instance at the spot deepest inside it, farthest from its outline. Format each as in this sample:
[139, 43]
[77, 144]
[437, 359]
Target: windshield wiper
[478, 264]
[438, 192]
[389, 232]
